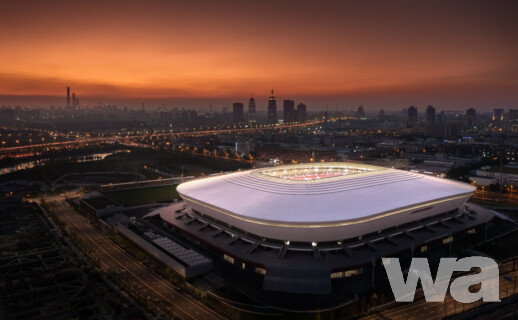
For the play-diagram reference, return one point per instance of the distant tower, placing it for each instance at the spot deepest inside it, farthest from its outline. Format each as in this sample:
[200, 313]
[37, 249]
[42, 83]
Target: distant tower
[360, 112]
[237, 112]
[73, 98]
[412, 116]
[513, 119]
[301, 112]
[441, 117]
[288, 114]
[513, 116]
[498, 118]
[272, 108]
[471, 117]
[68, 96]
[77, 102]
[430, 115]
[498, 115]
[251, 109]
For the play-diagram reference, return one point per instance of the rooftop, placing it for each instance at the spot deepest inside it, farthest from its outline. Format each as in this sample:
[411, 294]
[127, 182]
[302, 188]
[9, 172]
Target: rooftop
[294, 194]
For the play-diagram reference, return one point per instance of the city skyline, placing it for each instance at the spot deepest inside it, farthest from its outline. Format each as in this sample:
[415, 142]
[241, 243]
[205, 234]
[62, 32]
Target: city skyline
[450, 55]
[258, 159]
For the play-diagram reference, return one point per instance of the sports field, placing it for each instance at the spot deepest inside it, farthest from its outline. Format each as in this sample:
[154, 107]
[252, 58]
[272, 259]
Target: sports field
[140, 196]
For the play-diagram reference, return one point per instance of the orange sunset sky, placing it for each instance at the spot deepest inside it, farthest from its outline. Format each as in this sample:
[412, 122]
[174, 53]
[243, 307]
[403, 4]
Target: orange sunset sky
[389, 54]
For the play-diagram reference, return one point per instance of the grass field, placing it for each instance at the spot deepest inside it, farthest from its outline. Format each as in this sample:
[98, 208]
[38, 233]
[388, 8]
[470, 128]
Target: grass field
[135, 197]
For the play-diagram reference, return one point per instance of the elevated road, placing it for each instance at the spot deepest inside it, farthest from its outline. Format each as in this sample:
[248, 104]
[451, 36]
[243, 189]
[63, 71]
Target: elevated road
[27, 148]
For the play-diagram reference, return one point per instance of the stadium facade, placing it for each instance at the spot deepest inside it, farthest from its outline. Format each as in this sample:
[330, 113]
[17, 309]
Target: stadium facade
[303, 227]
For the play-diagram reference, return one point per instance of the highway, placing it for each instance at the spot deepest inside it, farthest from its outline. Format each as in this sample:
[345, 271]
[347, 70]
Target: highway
[137, 276]
[174, 134]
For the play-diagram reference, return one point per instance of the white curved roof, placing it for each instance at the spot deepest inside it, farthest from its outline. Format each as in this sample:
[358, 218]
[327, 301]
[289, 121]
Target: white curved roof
[318, 193]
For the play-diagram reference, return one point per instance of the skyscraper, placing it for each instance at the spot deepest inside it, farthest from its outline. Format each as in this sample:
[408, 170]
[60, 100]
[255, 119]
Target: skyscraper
[412, 116]
[272, 108]
[251, 109]
[471, 115]
[68, 96]
[288, 114]
[430, 115]
[238, 112]
[513, 115]
[441, 117]
[498, 115]
[513, 119]
[301, 112]
[360, 112]
[73, 99]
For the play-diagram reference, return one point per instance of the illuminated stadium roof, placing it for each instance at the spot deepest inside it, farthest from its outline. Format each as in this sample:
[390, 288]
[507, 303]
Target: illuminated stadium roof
[315, 172]
[321, 202]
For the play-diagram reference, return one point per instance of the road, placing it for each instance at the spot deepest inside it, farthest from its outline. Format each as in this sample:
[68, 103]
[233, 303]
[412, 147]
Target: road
[139, 277]
[24, 148]
[497, 197]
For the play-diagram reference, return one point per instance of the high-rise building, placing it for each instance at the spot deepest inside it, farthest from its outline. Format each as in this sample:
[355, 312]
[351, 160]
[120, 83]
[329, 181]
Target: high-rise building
[238, 112]
[251, 109]
[73, 99]
[441, 117]
[288, 114]
[272, 108]
[360, 112]
[412, 116]
[430, 115]
[301, 112]
[498, 115]
[513, 119]
[471, 117]
[68, 96]
[381, 114]
[513, 115]
[498, 119]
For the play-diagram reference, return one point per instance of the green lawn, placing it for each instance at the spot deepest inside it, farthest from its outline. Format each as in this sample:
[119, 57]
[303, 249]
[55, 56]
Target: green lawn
[135, 197]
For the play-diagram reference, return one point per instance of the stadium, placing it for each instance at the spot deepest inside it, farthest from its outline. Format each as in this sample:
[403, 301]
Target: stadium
[303, 227]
